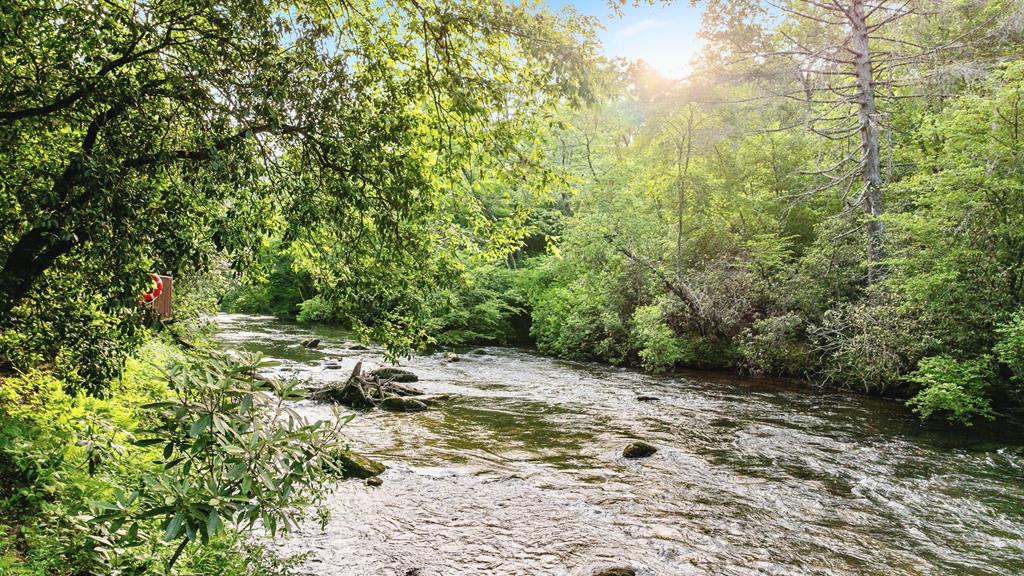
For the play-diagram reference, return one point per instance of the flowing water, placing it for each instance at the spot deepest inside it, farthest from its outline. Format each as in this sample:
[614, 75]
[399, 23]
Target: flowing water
[522, 474]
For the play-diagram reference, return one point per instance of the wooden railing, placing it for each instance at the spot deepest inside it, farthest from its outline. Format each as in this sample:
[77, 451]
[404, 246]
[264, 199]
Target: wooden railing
[162, 304]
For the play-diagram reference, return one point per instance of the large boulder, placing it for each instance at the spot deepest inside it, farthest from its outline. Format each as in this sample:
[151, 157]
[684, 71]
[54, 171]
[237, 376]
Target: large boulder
[638, 449]
[394, 374]
[402, 404]
[403, 390]
[434, 399]
[357, 466]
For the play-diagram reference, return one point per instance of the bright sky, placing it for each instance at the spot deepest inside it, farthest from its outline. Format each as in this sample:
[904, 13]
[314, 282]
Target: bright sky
[665, 36]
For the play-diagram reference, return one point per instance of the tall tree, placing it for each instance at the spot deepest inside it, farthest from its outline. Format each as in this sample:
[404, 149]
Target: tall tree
[142, 133]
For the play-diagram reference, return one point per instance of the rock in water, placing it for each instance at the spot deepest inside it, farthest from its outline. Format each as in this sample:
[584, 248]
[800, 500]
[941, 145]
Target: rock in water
[638, 449]
[374, 481]
[394, 374]
[368, 391]
[332, 365]
[643, 398]
[403, 390]
[311, 343]
[400, 404]
[433, 400]
[356, 466]
[451, 357]
[358, 347]
[616, 571]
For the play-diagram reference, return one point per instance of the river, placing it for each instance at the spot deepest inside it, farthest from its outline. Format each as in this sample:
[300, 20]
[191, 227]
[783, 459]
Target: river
[522, 474]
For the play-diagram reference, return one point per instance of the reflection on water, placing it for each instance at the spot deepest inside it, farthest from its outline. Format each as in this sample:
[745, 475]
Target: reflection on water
[522, 474]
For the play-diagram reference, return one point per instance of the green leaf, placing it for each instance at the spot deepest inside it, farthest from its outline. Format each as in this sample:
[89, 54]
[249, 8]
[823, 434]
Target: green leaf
[213, 523]
[154, 512]
[148, 441]
[202, 424]
[174, 527]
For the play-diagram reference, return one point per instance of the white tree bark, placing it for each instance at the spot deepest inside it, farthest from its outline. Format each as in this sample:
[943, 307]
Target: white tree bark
[867, 118]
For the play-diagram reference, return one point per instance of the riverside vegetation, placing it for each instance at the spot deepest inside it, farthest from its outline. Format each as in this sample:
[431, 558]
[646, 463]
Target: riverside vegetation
[836, 194]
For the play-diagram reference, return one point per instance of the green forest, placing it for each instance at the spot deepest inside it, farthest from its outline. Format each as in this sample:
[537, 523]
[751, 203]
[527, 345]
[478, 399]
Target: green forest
[833, 196]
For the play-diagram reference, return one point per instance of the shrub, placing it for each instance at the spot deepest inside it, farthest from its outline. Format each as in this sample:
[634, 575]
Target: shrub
[77, 339]
[577, 322]
[197, 453]
[316, 309]
[1010, 347]
[233, 454]
[656, 344]
[953, 388]
[870, 344]
[484, 309]
[774, 346]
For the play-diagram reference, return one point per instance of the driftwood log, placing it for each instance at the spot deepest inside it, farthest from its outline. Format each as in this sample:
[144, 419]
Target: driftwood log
[378, 389]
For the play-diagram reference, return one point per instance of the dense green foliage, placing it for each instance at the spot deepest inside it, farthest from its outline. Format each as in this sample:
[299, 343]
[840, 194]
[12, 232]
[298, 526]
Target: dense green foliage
[189, 449]
[342, 161]
[739, 258]
[169, 135]
[704, 230]
[460, 172]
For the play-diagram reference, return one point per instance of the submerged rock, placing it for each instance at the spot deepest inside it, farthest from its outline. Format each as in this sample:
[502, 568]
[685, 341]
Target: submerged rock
[394, 374]
[402, 404]
[434, 399]
[355, 346]
[403, 390]
[723, 423]
[615, 571]
[332, 365]
[478, 352]
[357, 466]
[643, 398]
[311, 343]
[638, 449]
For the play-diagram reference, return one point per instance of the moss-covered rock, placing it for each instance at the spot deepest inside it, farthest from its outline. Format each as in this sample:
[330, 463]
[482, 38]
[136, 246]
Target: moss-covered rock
[638, 449]
[616, 571]
[394, 374]
[358, 466]
[402, 404]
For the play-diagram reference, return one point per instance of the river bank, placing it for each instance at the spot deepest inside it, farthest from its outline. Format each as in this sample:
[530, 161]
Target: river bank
[522, 473]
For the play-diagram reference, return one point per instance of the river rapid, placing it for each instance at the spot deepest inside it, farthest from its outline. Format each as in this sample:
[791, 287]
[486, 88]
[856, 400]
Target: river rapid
[522, 474]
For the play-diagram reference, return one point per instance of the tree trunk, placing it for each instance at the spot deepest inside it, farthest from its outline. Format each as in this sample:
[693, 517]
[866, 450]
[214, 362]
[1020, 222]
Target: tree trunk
[867, 115]
[34, 252]
[683, 166]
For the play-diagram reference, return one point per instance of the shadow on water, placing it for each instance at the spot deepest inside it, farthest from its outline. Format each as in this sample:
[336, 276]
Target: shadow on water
[522, 473]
